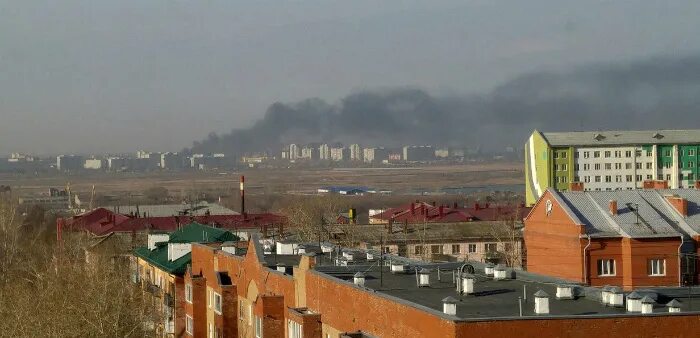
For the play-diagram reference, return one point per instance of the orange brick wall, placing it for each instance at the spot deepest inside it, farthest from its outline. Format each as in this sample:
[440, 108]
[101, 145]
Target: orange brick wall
[552, 242]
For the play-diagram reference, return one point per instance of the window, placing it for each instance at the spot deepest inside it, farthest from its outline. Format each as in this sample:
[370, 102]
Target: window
[668, 165]
[490, 247]
[188, 293]
[668, 177]
[607, 154]
[637, 153]
[564, 167]
[606, 267]
[691, 164]
[691, 176]
[596, 166]
[576, 154]
[596, 154]
[586, 166]
[637, 166]
[587, 179]
[618, 154]
[649, 153]
[639, 178]
[294, 329]
[657, 267]
[628, 178]
[608, 166]
[436, 249]
[597, 179]
[628, 153]
[650, 165]
[667, 152]
[629, 165]
[556, 154]
[576, 167]
[217, 303]
[258, 327]
[650, 177]
[618, 178]
[691, 152]
[471, 248]
[455, 248]
[563, 155]
[189, 324]
[418, 250]
[608, 178]
[586, 154]
[577, 179]
[661, 177]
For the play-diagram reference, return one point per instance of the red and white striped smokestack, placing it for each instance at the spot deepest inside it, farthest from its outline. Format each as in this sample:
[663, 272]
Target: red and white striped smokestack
[242, 195]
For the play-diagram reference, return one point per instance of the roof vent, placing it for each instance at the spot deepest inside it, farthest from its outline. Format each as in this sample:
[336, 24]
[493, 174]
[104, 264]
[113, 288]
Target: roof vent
[565, 291]
[541, 303]
[657, 136]
[598, 137]
[281, 268]
[634, 302]
[674, 306]
[397, 267]
[605, 294]
[423, 277]
[301, 249]
[467, 284]
[647, 305]
[349, 256]
[326, 248]
[488, 270]
[499, 273]
[359, 279]
[616, 298]
[449, 306]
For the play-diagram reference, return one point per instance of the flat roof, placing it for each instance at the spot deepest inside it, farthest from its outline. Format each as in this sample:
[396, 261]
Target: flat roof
[622, 137]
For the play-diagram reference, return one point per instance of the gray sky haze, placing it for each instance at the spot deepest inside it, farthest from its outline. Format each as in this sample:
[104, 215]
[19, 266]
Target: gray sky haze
[114, 76]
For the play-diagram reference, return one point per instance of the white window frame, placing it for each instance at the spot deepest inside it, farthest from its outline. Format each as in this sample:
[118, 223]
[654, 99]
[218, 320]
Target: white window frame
[606, 268]
[657, 267]
[218, 303]
[294, 329]
[472, 246]
[258, 327]
[188, 293]
[189, 324]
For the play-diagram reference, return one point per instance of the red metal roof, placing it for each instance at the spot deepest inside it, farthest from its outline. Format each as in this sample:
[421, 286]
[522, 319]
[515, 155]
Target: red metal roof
[103, 221]
[419, 212]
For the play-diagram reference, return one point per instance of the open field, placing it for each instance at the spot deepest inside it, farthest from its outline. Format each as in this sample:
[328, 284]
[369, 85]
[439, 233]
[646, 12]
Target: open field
[434, 179]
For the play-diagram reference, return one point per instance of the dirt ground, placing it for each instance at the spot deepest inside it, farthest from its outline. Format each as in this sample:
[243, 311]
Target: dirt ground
[508, 176]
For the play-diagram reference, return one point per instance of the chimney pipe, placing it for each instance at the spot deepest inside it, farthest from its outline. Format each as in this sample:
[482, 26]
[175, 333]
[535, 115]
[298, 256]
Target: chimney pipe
[613, 207]
[242, 183]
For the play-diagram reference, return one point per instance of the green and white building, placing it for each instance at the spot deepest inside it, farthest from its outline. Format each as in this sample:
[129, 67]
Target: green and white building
[610, 160]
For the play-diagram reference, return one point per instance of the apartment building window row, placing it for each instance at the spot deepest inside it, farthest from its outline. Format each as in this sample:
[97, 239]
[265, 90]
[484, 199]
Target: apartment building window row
[606, 267]
[561, 179]
[657, 267]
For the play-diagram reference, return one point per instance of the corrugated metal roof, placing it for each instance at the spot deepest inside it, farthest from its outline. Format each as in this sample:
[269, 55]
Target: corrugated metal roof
[622, 137]
[656, 216]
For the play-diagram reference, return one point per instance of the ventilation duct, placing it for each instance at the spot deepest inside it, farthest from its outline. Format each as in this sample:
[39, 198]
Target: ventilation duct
[488, 270]
[424, 277]
[281, 268]
[674, 306]
[449, 306]
[499, 273]
[359, 279]
[565, 291]
[541, 303]
[397, 267]
[647, 305]
[615, 297]
[634, 302]
[605, 294]
[467, 285]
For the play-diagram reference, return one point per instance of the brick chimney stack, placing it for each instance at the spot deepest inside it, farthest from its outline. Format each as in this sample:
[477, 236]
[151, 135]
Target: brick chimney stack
[679, 203]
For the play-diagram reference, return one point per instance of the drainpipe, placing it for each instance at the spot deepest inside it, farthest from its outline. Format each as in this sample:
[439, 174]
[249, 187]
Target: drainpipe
[585, 260]
[680, 276]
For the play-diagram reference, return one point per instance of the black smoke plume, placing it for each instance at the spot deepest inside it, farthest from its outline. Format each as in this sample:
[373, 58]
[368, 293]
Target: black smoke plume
[658, 93]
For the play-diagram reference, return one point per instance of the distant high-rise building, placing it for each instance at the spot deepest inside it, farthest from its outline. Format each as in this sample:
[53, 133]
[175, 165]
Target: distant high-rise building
[310, 151]
[94, 164]
[324, 152]
[172, 161]
[294, 152]
[69, 163]
[418, 153]
[339, 153]
[355, 152]
[375, 155]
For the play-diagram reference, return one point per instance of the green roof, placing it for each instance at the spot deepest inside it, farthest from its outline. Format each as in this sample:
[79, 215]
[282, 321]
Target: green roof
[191, 233]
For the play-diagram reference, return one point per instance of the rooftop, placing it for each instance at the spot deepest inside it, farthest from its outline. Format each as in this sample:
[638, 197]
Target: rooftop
[198, 209]
[622, 137]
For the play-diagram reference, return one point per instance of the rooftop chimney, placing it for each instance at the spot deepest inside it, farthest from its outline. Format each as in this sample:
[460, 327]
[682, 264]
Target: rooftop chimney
[616, 298]
[613, 207]
[541, 303]
[467, 286]
[359, 279]
[449, 306]
[565, 291]
[679, 203]
[423, 277]
[634, 302]
[674, 306]
[647, 305]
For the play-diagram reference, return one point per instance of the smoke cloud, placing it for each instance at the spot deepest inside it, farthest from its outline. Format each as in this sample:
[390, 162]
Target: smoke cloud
[657, 93]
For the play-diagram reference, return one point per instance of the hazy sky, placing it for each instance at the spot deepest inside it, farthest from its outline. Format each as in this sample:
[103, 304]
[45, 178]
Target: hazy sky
[96, 75]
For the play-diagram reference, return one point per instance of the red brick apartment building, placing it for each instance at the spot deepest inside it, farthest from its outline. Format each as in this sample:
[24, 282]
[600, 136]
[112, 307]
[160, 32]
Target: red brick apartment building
[628, 238]
[247, 293]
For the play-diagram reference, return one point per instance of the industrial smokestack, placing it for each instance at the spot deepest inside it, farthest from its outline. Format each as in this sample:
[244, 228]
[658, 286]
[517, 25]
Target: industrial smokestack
[243, 196]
